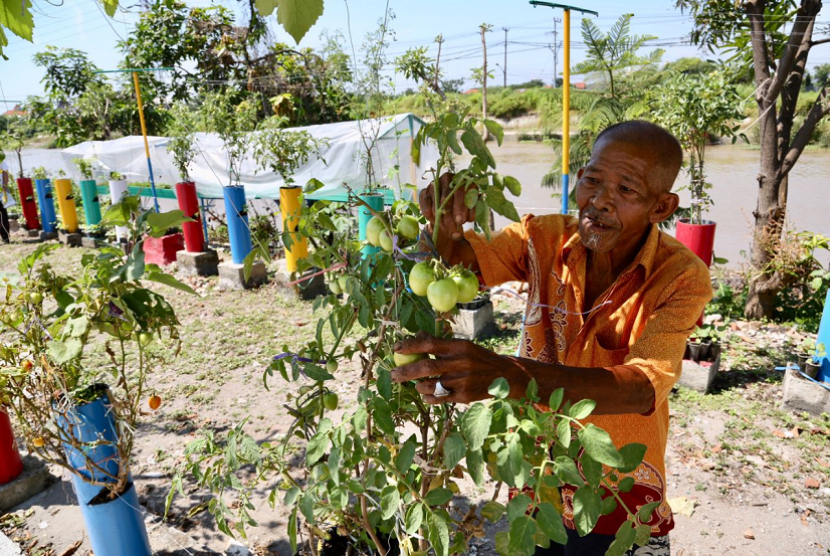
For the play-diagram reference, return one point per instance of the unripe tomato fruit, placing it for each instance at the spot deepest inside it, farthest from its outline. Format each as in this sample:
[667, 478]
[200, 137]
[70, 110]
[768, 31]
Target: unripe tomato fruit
[442, 295]
[145, 338]
[38, 442]
[330, 401]
[335, 288]
[408, 227]
[331, 366]
[27, 365]
[36, 297]
[467, 286]
[373, 229]
[154, 402]
[420, 278]
[402, 359]
[342, 282]
[385, 240]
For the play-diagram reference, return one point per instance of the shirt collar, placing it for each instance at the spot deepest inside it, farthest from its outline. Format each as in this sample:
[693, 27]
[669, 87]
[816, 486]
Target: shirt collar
[645, 257]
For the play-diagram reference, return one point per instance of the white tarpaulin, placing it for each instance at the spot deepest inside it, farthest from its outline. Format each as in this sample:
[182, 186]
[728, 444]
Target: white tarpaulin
[341, 161]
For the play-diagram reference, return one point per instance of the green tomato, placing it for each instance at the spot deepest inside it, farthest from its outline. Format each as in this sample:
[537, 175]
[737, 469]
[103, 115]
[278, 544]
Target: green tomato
[330, 401]
[385, 240]
[408, 227]
[513, 185]
[343, 282]
[331, 366]
[467, 286]
[401, 359]
[442, 295]
[420, 278]
[145, 338]
[36, 297]
[373, 229]
[335, 288]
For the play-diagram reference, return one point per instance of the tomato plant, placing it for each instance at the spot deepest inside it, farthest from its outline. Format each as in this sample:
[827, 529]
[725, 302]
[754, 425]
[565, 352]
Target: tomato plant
[384, 472]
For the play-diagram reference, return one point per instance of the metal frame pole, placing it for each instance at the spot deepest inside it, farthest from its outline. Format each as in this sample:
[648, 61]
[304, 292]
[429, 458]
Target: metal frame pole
[566, 111]
[146, 144]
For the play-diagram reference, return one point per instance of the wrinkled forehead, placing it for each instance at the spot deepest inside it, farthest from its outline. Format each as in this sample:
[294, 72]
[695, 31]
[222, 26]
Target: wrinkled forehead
[636, 160]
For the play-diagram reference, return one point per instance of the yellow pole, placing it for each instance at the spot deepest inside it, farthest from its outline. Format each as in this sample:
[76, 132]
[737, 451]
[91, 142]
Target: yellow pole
[566, 112]
[290, 209]
[144, 134]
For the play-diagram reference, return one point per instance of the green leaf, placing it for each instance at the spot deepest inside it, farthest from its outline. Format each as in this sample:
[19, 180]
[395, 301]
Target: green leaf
[582, 409]
[390, 499]
[316, 372]
[556, 399]
[313, 184]
[532, 392]
[384, 383]
[169, 280]
[632, 455]
[502, 542]
[471, 197]
[591, 469]
[497, 201]
[566, 470]
[291, 496]
[495, 129]
[626, 484]
[383, 416]
[405, 457]
[518, 505]
[77, 327]
[135, 264]
[414, 518]
[587, 507]
[598, 444]
[624, 540]
[317, 447]
[454, 450]
[492, 511]
[513, 185]
[564, 432]
[110, 7]
[160, 222]
[550, 522]
[643, 535]
[476, 425]
[16, 15]
[438, 496]
[63, 352]
[438, 533]
[474, 143]
[609, 504]
[522, 531]
[499, 389]
[292, 530]
[644, 513]
[306, 506]
[297, 16]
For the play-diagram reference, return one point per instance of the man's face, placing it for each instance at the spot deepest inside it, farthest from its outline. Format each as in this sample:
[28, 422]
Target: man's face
[616, 193]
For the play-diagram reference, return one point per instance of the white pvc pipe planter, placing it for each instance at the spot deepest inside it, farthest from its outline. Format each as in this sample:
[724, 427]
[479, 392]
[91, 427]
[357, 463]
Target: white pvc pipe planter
[118, 190]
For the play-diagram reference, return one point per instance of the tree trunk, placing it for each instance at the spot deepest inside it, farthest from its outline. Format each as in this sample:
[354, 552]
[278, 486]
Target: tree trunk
[484, 83]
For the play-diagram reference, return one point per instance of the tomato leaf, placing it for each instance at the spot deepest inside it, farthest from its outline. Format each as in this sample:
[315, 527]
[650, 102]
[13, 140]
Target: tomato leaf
[550, 522]
[492, 511]
[587, 507]
[438, 497]
[390, 499]
[522, 531]
[454, 450]
[414, 518]
[599, 446]
[475, 466]
[566, 470]
[500, 388]
[497, 201]
[632, 455]
[582, 409]
[476, 425]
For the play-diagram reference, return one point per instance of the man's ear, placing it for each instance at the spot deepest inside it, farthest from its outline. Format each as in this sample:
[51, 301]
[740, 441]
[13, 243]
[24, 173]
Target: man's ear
[665, 207]
[579, 173]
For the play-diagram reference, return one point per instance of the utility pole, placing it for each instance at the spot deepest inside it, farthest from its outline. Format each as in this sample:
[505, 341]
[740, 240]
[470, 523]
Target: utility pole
[555, 50]
[505, 56]
[485, 28]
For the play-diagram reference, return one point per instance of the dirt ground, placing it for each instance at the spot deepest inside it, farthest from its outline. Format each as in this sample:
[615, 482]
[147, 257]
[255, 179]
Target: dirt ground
[754, 479]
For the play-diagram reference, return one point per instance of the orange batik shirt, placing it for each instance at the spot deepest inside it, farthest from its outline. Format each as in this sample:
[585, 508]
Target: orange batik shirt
[643, 320]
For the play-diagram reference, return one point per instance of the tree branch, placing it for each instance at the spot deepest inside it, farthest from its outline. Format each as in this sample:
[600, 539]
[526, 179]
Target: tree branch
[800, 34]
[820, 41]
[760, 56]
[820, 108]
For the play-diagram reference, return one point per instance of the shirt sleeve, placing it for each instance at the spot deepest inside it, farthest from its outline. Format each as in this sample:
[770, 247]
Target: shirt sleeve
[658, 352]
[504, 257]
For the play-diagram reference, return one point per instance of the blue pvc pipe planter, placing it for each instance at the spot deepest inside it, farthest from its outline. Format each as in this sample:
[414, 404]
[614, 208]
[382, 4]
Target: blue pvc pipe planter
[236, 212]
[48, 217]
[115, 526]
[824, 338]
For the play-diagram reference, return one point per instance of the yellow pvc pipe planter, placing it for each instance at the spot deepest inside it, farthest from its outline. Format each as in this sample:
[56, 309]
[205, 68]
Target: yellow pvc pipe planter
[290, 210]
[66, 204]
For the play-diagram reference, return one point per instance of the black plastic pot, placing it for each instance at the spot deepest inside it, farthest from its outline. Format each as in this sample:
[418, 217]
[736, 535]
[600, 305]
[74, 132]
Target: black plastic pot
[811, 369]
[803, 359]
[338, 545]
[714, 351]
[699, 350]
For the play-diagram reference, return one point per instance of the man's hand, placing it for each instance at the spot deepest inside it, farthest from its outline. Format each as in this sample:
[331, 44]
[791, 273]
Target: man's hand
[464, 368]
[450, 242]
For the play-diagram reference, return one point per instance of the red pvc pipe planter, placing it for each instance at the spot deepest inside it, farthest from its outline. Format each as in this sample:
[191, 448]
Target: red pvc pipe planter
[194, 239]
[10, 463]
[29, 205]
[699, 238]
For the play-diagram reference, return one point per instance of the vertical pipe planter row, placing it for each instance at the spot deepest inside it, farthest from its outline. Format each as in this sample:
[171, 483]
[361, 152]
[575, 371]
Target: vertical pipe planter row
[115, 524]
[47, 205]
[66, 204]
[29, 206]
[11, 466]
[236, 212]
[290, 209]
[699, 238]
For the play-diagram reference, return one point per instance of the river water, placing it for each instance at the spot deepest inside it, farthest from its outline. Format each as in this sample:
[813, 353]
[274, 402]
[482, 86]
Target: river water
[731, 169]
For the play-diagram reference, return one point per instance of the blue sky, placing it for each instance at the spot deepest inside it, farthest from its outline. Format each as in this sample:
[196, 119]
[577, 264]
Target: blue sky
[81, 24]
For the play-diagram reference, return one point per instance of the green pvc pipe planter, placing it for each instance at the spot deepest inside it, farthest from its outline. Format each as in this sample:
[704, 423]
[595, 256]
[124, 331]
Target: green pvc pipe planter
[92, 206]
[374, 200]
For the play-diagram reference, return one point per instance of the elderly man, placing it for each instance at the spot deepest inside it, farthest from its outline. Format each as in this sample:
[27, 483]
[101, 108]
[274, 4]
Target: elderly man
[612, 300]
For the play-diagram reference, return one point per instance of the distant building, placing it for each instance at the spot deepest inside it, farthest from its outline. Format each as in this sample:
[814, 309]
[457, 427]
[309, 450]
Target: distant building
[581, 85]
[472, 91]
[16, 111]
